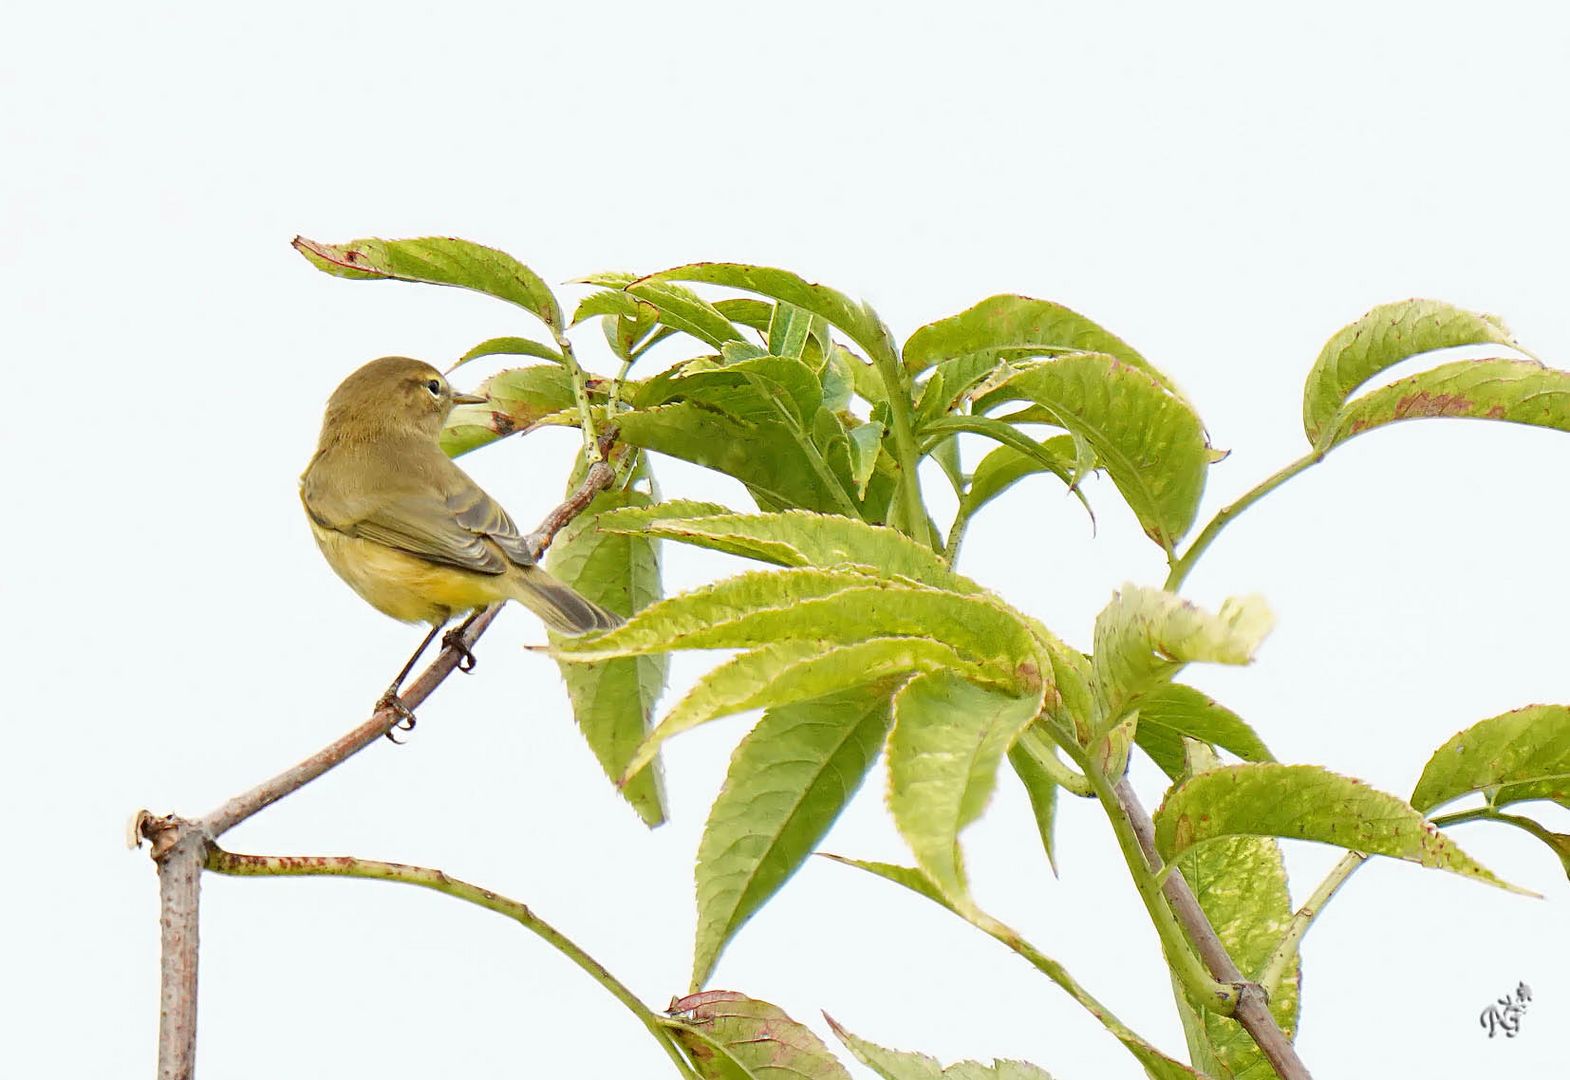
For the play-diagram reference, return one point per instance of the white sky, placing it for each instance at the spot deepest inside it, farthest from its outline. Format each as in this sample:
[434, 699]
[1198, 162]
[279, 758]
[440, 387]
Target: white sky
[1223, 186]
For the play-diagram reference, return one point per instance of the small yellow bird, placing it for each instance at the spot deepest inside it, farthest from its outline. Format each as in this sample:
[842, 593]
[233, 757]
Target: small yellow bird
[409, 530]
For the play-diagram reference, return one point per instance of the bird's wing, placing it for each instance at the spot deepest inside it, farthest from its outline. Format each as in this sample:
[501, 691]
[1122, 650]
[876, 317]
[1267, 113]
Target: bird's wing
[441, 515]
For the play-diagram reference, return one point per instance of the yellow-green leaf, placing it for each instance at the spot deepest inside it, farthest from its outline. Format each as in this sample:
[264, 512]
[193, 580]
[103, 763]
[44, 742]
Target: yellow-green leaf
[1305, 802]
[1525, 746]
[1384, 337]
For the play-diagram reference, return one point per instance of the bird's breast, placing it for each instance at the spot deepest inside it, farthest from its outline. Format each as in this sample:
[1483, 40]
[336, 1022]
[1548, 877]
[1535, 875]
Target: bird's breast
[402, 585]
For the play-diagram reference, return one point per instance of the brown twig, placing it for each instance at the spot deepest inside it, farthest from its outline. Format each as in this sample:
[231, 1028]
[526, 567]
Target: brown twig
[180, 846]
[1253, 1008]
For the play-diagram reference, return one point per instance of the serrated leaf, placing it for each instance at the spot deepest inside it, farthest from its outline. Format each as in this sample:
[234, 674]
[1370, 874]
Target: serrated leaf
[757, 1036]
[1014, 327]
[1525, 746]
[829, 608]
[949, 737]
[788, 780]
[686, 311]
[802, 538]
[769, 459]
[1145, 636]
[1042, 791]
[1169, 713]
[859, 321]
[518, 399]
[904, 1065]
[1380, 339]
[1514, 391]
[789, 671]
[1149, 440]
[508, 346]
[439, 260]
[613, 701]
[1005, 466]
[1305, 802]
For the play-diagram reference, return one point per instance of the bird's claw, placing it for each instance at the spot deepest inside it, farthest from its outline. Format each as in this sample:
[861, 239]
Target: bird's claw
[405, 721]
[453, 639]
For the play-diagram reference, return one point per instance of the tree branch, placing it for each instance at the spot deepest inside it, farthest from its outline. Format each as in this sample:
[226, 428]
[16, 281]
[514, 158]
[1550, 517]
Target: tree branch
[1253, 1009]
[180, 846]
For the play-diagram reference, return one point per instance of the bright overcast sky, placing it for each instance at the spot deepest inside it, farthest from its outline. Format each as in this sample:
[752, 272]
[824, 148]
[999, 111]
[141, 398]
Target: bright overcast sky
[1221, 185]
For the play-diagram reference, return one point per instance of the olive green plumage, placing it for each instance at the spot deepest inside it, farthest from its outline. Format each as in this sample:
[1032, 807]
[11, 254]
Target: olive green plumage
[404, 526]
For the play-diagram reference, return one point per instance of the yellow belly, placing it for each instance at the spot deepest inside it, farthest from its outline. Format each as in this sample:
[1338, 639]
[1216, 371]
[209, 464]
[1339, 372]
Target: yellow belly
[406, 586]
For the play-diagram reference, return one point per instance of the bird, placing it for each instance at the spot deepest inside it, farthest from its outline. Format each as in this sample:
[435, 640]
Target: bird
[409, 530]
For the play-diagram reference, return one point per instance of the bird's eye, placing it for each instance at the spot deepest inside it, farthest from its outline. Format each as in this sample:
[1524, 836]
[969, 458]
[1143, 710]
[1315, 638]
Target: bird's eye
[434, 387]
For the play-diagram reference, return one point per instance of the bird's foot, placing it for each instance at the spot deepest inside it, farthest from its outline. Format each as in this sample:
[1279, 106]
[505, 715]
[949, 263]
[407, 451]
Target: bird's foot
[405, 721]
[453, 639]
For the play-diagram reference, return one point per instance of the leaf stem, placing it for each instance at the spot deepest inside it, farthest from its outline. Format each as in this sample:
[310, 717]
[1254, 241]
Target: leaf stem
[237, 865]
[907, 456]
[1275, 968]
[580, 392]
[1227, 514]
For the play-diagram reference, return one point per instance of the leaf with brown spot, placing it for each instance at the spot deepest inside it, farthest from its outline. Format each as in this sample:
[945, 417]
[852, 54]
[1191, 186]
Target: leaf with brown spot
[753, 1036]
[1384, 337]
[1515, 391]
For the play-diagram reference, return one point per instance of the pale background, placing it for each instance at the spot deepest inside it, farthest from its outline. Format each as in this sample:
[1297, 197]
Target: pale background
[1222, 185]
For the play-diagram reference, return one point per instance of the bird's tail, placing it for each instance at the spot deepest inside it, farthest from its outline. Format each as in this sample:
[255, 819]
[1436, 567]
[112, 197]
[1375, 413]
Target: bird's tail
[559, 605]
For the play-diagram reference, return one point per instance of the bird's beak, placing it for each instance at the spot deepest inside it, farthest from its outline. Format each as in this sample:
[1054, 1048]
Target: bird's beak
[469, 399]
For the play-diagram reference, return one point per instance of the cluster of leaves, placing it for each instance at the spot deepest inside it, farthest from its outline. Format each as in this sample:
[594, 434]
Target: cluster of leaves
[861, 637]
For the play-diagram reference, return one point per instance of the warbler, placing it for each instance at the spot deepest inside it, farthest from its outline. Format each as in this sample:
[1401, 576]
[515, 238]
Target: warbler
[409, 530]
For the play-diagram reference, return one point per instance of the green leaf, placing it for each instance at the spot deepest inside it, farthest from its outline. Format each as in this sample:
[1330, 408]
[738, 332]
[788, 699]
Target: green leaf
[508, 346]
[770, 459]
[613, 701]
[1145, 636]
[1002, 468]
[439, 260]
[793, 670]
[745, 311]
[839, 607]
[1042, 791]
[788, 331]
[1305, 802]
[788, 780]
[802, 538]
[865, 442]
[948, 739]
[686, 311]
[1526, 746]
[1014, 327]
[903, 1065]
[518, 399]
[1515, 391]
[1386, 336]
[857, 320]
[757, 1036]
[1149, 440]
[1171, 712]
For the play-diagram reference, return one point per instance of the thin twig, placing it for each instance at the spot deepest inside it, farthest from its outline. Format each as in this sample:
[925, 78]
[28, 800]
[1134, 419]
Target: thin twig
[1253, 1009]
[179, 845]
[227, 862]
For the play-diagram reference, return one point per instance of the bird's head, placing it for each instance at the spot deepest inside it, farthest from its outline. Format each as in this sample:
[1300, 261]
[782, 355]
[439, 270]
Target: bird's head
[393, 395]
